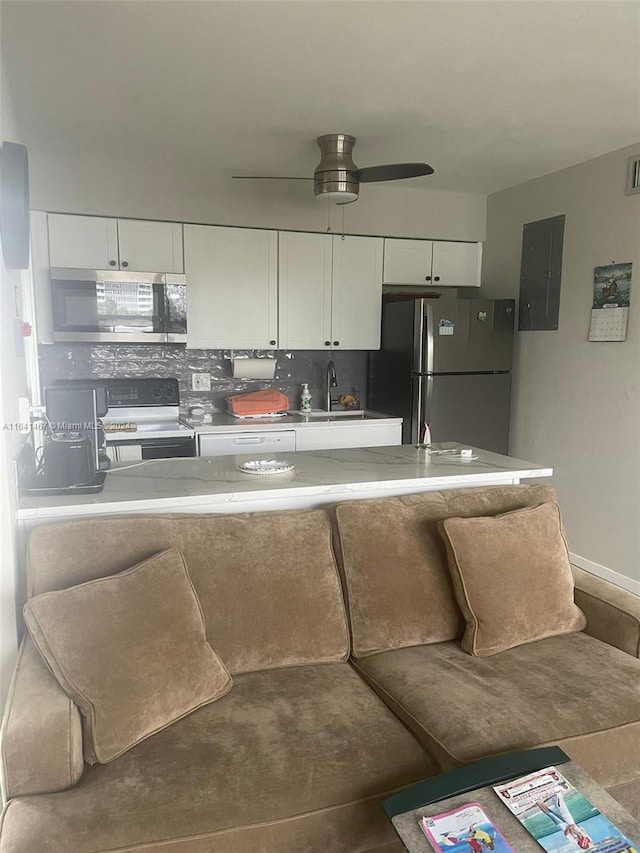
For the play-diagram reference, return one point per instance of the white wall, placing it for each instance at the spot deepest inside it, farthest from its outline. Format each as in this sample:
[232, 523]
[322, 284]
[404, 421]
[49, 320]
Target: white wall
[576, 404]
[13, 384]
[114, 184]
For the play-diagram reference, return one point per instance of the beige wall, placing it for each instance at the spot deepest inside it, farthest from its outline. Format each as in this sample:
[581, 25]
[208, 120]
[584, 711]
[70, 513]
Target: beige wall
[13, 384]
[576, 404]
[101, 182]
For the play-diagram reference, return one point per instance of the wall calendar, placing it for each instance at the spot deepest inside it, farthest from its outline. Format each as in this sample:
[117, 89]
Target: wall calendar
[610, 309]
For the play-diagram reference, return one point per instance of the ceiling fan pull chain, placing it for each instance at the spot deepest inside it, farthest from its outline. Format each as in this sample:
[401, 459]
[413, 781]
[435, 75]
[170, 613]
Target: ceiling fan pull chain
[343, 207]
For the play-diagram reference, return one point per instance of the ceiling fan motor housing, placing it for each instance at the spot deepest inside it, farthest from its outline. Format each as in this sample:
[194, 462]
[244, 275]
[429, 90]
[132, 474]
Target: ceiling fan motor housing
[333, 177]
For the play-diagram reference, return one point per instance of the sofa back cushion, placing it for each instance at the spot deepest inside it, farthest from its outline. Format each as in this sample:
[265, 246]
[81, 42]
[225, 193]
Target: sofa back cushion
[267, 582]
[394, 562]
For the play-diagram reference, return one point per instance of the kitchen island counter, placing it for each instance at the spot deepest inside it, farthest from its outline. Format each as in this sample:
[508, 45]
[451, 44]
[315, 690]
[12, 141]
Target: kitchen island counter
[319, 477]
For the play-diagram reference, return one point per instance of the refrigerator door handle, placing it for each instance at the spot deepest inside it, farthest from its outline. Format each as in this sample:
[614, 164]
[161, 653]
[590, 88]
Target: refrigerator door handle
[427, 342]
[427, 396]
[423, 406]
[416, 414]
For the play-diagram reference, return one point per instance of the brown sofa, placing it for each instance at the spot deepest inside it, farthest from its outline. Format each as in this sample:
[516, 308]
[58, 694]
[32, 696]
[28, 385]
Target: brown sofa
[333, 707]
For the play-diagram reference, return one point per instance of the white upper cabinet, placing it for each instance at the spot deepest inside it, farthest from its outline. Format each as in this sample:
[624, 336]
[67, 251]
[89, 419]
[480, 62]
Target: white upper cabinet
[357, 292]
[437, 263]
[84, 242]
[150, 246]
[407, 261]
[330, 291]
[232, 287]
[304, 274]
[456, 264]
[94, 242]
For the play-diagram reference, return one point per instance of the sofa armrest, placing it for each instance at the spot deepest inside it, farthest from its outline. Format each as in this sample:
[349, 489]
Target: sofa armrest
[613, 613]
[41, 731]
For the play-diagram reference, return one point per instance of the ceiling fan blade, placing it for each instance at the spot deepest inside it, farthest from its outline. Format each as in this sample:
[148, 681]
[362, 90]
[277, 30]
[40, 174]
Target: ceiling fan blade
[392, 172]
[268, 178]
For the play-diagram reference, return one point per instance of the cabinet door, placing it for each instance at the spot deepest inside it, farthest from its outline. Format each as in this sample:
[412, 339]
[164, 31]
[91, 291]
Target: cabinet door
[407, 261]
[456, 264]
[304, 264]
[356, 302]
[232, 287]
[150, 246]
[83, 242]
[336, 435]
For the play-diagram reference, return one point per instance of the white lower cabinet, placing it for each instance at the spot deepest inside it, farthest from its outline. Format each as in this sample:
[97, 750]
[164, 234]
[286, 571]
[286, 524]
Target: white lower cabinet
[326, 436]
[333, 436]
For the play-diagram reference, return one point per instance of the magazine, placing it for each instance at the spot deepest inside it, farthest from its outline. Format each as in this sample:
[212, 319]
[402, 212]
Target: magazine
[466, 829]
[557, 815]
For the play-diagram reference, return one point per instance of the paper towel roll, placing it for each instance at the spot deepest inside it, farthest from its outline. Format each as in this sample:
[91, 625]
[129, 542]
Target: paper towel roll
[254, 368]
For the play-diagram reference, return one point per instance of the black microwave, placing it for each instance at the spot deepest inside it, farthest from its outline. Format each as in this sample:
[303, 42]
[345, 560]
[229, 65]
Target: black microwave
[118, 306]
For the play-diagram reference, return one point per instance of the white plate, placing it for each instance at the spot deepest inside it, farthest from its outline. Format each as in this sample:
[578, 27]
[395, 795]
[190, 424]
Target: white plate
[265, 466]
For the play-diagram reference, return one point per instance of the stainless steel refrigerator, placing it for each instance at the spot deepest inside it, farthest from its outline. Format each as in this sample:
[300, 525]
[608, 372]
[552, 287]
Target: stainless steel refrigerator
[446, 362]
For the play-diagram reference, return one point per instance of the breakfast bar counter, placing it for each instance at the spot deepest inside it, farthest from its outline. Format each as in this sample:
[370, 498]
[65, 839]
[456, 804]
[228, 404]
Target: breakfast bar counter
[319, 477]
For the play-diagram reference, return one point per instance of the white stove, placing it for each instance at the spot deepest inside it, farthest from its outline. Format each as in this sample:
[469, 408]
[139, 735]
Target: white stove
[138, 422]
[143, 420]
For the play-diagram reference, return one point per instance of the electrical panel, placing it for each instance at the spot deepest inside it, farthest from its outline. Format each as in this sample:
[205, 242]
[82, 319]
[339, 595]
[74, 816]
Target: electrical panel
[540, 274]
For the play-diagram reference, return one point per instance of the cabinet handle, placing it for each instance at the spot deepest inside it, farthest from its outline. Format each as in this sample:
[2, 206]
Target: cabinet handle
[427, 278]
[273, 343]
[437, 278]
[112, 263]
[327, 343]
[336, 343]
[125, 263]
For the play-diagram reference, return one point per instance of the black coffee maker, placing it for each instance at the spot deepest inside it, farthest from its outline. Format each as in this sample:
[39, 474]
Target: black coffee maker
[72, 458]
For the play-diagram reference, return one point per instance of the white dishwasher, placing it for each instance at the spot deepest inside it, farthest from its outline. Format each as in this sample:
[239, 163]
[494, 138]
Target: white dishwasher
[259, 442]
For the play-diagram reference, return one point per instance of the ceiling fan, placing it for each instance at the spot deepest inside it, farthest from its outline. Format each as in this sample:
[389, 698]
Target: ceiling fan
[337, 178]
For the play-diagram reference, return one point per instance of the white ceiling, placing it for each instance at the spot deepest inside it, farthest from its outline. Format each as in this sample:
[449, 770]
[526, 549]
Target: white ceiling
[490, 93]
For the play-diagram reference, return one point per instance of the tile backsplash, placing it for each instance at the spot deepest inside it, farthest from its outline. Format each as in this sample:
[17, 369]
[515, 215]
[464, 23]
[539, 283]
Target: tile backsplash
[79, 361]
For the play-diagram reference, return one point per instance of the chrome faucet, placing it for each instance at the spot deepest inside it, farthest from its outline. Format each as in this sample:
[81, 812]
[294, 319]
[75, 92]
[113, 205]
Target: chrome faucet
[331, 381]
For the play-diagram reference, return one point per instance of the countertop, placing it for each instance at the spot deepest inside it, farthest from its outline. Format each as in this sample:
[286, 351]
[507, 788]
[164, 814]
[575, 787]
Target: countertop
[222, 422]
[214, 484]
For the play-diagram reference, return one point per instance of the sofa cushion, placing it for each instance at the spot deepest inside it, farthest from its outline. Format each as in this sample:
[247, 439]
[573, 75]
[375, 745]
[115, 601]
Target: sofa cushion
[394, 562]
[290, 760]
[571, 690]
[130, 650]
[267, 582]
[512, 578]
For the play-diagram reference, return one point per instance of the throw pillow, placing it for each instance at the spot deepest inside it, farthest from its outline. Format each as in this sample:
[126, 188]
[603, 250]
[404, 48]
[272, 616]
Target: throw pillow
[130, 650]
[512, 578]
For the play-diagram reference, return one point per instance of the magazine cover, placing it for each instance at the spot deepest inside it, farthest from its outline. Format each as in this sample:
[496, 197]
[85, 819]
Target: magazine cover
[464, 830]
[559, 817]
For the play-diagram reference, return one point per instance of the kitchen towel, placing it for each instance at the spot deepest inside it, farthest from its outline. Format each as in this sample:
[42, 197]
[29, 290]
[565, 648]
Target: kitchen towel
[258, 402]
[254, 368]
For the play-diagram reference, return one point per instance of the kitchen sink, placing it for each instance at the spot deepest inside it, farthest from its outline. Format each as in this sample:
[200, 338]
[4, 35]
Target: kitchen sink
[340, 413]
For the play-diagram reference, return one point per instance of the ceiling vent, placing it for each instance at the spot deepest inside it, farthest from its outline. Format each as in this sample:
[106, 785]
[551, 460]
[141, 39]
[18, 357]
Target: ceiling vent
[633, 175]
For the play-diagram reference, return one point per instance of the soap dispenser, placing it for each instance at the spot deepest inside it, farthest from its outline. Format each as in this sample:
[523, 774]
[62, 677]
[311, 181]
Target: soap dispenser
[305, 398]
